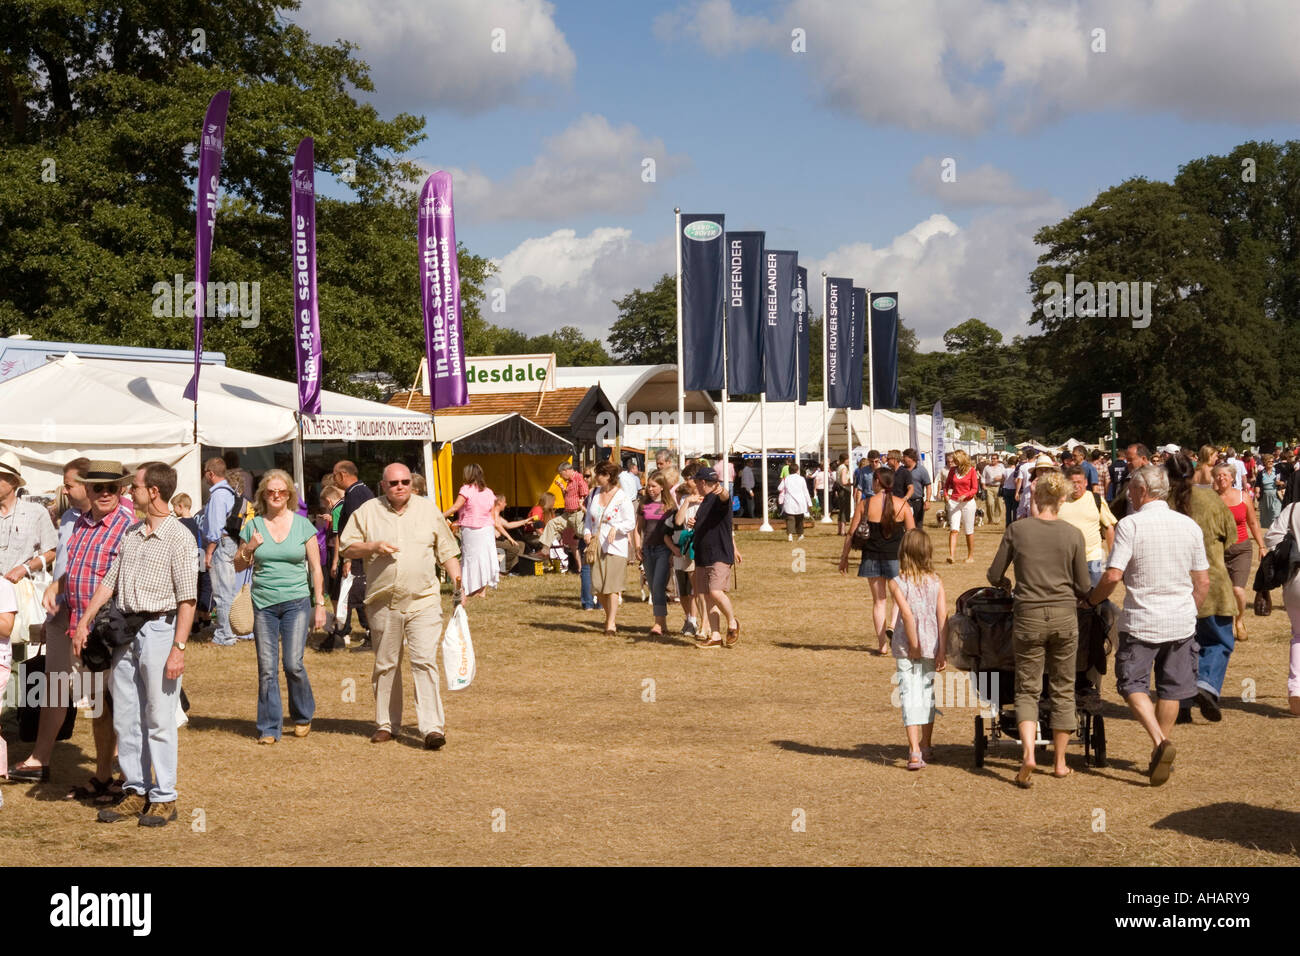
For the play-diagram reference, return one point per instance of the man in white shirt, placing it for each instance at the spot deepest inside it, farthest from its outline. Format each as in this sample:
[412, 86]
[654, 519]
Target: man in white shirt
[992, 477]
[1239, 469]
[1159, 554]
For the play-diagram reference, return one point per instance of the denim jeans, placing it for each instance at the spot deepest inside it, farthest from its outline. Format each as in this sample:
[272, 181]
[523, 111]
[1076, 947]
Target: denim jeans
[658, 561]
[225, 585]
[145, 704]
[1215, 639]
[282, 626]
[588, 598]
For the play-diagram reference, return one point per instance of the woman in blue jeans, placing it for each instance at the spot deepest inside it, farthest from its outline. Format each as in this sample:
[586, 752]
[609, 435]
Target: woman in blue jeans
[280, 545]
[653, 518]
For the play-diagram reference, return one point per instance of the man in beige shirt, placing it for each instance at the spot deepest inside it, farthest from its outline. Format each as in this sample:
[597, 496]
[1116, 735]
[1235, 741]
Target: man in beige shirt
[402, 539]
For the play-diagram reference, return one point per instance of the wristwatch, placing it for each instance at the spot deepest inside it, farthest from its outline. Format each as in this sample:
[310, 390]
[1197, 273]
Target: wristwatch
[179, 645]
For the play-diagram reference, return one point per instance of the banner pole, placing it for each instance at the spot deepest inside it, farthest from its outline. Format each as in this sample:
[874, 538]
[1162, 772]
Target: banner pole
[681, 369]
[871, 380]
[826, 423]
[762, 432]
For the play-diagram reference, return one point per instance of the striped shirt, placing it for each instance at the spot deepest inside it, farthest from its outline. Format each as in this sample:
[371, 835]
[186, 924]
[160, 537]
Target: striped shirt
[92, 546]
[1157, 549]
[154, 570]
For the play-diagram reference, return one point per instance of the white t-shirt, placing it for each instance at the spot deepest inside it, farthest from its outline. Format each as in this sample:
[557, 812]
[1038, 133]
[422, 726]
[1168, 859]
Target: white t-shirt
[993, 475]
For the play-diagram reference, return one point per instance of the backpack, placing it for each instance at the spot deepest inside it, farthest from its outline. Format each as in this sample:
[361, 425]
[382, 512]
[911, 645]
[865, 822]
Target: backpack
[240, 513]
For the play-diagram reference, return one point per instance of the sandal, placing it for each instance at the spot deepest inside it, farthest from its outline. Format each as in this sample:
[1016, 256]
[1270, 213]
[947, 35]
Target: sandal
[656, 631]
[98, 791]
[1025, 778]
[915, 761]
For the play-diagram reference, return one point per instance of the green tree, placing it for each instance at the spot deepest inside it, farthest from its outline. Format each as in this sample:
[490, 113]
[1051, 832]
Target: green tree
[1207, 359]
[106, 98]
[645, 332]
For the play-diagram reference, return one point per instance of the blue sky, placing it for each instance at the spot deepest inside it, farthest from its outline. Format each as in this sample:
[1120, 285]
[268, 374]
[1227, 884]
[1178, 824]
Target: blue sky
[835, 151]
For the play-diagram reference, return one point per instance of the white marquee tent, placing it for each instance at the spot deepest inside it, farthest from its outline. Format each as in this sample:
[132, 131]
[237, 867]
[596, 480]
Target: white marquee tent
[135, 411]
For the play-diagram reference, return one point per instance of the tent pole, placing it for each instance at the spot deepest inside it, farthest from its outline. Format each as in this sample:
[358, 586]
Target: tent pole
[298, 475]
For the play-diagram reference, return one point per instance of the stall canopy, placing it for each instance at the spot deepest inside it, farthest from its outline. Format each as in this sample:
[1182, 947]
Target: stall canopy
[135, 411]
[519, 458]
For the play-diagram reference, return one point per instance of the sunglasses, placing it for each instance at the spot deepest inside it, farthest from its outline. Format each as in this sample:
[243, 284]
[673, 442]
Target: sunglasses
[103, 489]
[399, 481]
[277, 492]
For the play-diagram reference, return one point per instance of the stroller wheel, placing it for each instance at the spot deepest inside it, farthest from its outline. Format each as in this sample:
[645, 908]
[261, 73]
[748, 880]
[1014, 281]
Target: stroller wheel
[1098, 741]
[981, 742]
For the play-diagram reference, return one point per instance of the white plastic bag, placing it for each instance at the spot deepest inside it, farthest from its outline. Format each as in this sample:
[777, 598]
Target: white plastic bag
[341, 605]
[458, 651]
[30, 619]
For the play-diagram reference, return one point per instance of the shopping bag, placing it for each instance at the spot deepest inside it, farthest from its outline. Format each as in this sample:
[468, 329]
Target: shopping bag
[458, 651]
[341, 614]
[30, 593]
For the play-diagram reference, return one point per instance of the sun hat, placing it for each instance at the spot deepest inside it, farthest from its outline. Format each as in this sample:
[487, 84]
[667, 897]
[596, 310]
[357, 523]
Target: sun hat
[1044, 460]
[103, 471]
[9, 464]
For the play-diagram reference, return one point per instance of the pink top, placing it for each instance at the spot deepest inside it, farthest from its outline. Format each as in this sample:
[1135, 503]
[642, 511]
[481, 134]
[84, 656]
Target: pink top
[476, 512]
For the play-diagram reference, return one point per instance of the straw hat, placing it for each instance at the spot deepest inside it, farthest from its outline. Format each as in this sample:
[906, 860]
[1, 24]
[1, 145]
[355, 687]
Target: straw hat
[104, 471]
[1044, 460]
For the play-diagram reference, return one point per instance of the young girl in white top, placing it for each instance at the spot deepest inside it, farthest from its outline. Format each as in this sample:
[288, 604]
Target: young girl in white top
[918, 644]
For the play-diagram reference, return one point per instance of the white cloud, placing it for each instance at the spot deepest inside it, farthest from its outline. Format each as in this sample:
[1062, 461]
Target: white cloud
[964, 65]
[984, 185]
[945, 274]
[425, 57]
[566, 279]
[590, 167]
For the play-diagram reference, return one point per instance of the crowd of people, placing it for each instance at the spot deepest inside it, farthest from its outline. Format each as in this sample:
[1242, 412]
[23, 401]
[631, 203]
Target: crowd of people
[135, 572]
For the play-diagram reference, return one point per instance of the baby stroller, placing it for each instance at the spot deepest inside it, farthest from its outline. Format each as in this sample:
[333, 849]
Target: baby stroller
[979, 640]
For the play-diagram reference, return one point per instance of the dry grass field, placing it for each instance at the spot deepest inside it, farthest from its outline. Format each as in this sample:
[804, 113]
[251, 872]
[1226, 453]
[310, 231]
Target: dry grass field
[571, 748]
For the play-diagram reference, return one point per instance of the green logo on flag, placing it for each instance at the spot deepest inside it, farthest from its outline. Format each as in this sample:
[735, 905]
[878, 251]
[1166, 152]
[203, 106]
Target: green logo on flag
[702, 230]
[884, 303]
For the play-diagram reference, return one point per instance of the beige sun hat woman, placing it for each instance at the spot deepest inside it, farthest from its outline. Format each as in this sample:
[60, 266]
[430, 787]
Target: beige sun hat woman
[1044, 460]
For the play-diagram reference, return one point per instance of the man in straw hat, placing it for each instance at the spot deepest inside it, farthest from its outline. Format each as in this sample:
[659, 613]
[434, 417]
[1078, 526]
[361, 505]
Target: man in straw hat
[155, 580]
[84, 558]
[28, 539]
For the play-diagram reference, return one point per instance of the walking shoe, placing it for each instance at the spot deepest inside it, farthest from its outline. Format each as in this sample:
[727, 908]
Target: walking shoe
[131, 805]
[434, 740]
[266, 741]
[1162, 762]
[381, 736]
[302, 730]
[1184, 716]
[711, 642]
[158, 814]
[1209, 705]
[688, 629]
[733, 635]
[29, 775]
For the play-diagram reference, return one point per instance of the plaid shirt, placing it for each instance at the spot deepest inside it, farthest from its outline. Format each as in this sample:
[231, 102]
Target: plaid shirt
[1157, 549]
[92, 546]
[154, 570]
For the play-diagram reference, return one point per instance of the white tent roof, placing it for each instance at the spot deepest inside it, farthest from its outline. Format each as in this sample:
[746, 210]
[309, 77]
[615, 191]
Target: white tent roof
[639, 387]
[136, 411]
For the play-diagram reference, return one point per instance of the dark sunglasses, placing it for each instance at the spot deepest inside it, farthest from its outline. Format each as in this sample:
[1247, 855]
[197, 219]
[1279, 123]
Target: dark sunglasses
[103, 489]
[399, 481]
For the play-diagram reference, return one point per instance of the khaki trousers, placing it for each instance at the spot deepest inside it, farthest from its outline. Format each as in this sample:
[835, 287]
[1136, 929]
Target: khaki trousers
[421, 630]
[993, 503]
